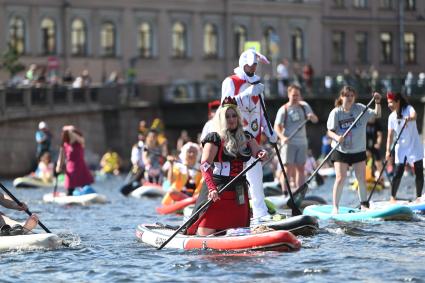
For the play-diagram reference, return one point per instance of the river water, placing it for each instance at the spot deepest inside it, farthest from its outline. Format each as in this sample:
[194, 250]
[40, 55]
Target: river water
[104, 247]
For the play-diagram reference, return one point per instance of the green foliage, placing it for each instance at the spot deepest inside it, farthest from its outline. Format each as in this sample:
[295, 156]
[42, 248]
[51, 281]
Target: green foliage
[9, 61]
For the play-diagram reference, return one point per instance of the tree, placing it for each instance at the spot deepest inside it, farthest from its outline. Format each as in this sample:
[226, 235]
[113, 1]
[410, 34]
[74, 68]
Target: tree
[9, 61]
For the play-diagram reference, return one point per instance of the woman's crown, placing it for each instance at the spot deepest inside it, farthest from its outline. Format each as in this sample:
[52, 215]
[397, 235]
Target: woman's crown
[229, 101]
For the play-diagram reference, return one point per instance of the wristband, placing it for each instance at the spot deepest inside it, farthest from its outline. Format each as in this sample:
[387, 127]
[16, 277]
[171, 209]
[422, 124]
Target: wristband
[207, 173]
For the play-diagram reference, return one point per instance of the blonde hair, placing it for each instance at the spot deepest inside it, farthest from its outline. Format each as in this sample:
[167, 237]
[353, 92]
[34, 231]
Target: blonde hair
[233, 143]
[186, 147]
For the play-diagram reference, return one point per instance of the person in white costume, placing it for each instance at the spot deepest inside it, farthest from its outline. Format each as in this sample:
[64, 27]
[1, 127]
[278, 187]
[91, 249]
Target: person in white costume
[245, 87]
[409, 147]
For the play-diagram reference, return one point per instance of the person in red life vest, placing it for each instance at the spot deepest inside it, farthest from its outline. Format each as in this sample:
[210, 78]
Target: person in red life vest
[212, 108]
[225, 152]
[244, 87]
[71, 153]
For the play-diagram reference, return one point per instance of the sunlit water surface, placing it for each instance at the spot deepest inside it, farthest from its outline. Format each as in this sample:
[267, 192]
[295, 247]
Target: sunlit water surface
[104, 247]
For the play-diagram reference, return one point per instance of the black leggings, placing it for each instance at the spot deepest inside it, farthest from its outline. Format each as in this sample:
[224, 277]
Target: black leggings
[419, 174]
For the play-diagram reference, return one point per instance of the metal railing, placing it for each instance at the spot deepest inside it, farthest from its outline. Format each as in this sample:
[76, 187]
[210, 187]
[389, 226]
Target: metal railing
[21, 101]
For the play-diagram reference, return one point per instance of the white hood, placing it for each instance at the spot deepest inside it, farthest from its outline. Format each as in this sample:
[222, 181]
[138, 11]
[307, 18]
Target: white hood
[249, 57]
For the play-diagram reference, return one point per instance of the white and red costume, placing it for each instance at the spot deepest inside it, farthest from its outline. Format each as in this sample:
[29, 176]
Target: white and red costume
[241, 87]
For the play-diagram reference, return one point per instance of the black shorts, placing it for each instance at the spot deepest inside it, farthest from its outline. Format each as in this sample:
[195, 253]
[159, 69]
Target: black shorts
[349, 158]
[376, 155]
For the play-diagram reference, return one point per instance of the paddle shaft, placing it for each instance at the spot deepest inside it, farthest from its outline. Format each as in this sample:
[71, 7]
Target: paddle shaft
[297, 129]
[338, 143]
[386, 161]
[20, 203]
[205, 205]
[295, 209]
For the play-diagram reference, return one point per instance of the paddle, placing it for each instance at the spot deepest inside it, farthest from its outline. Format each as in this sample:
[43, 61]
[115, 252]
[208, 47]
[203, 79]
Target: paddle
[297, 129]
[55, 188]
[386, 161]
[19, 203]
[293, 206]
[207, 204]
[302, 190]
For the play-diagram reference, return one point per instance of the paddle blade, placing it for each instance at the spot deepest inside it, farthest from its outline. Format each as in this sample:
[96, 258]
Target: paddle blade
[319, 179]
[299, 195]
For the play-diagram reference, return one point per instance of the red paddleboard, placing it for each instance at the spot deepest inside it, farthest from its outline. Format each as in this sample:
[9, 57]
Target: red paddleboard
[178, 205]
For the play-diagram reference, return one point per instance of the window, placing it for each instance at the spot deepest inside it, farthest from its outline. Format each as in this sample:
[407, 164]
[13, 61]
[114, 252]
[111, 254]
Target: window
[410, 5]
[270, 40]
[179, 39]
[409, 48]
[78, 38]
[386, 48]
[338, 47]
[297, 45]
[361, 44]
[48, 36]
[210, 41]
[360, 4]
[17, 34]
[108, 39]
[145, 40]
[338, 4]
[386, 4]
[240, 34]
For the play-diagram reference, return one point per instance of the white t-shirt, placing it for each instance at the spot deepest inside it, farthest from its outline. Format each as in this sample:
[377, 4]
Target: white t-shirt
[409, 145]
[208, 128]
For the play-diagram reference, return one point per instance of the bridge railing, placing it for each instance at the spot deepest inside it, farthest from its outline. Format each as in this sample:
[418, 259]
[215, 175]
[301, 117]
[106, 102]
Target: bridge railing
[24, 101]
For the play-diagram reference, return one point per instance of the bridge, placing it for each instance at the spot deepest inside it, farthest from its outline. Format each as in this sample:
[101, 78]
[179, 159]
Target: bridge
[108, 116]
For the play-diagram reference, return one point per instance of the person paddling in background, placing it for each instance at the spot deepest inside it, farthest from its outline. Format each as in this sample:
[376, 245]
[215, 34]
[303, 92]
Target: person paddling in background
[5, 229]
[185, 177]
[225, 152]
[294, 151]
[212, 108]
[110, 162]
[43, 137]
[72, 154]
[409, 147]
[152, 155]
[45, 168]
[352, 148]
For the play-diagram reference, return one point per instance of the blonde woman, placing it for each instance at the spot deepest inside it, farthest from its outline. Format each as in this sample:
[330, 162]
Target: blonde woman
[225, 152]
[185, 176]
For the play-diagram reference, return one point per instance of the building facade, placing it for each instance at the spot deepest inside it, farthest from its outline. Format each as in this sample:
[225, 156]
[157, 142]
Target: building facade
[161, 42]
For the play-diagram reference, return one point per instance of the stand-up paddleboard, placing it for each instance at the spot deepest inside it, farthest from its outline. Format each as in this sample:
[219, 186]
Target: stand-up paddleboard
[416, 207]
[148, 190]
[282, 201]
[272, 189]
[245, 239]
[176, 206]
[62, 198]
[301, 225]
[329, 172]
[31, 182]
[324, 212]
[29, 241]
